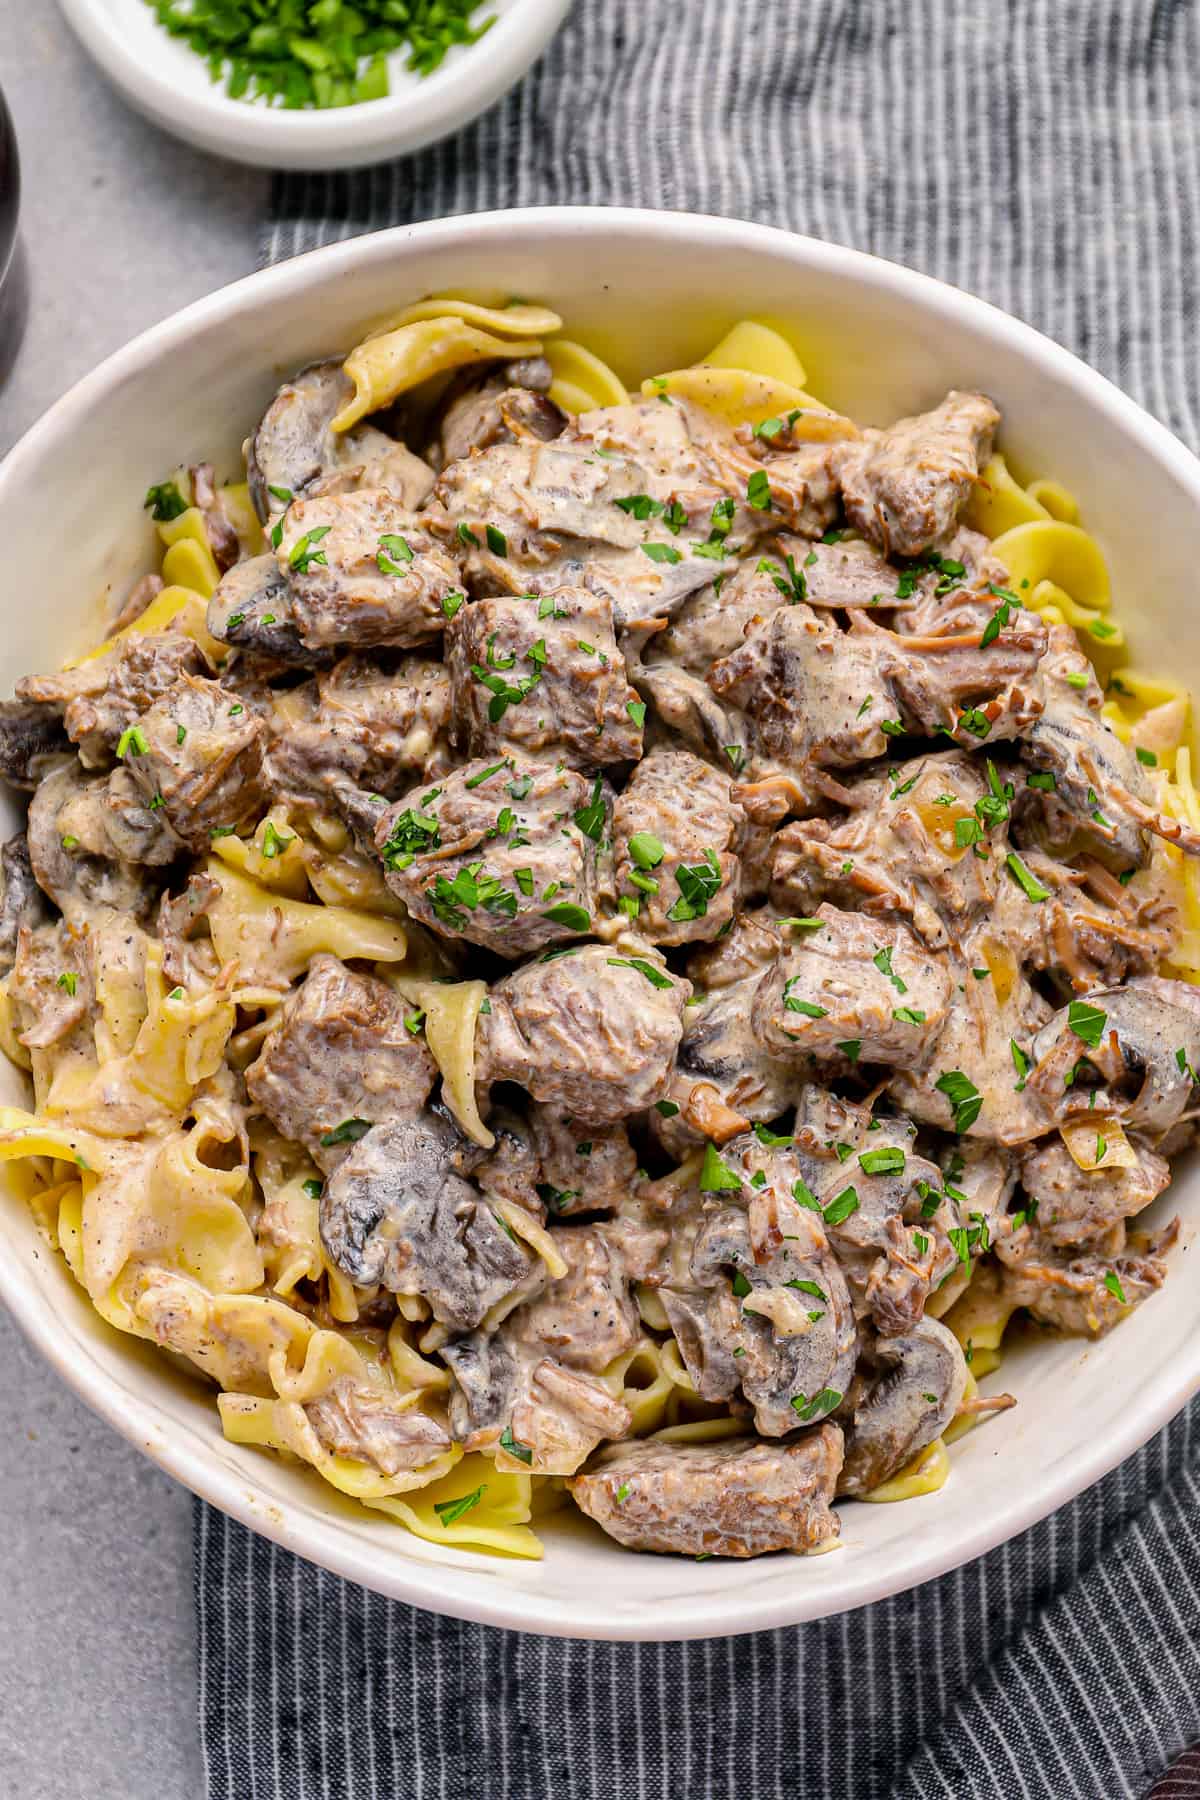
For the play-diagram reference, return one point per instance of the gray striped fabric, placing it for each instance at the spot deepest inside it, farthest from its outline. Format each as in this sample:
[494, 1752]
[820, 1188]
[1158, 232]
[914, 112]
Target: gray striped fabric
[1043, 153]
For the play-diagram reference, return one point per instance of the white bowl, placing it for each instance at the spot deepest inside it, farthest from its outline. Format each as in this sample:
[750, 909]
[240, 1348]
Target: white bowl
[169, 83]
[651, 290]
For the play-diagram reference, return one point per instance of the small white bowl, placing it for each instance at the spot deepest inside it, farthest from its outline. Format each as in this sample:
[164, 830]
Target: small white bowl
[164, 79]
[650, 290]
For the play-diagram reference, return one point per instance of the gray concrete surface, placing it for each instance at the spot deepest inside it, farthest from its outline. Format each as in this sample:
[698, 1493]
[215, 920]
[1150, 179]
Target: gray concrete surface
[97, 1684]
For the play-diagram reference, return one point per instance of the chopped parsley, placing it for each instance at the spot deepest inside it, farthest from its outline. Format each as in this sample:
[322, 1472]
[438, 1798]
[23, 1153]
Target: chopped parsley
[1087, 1022]
[394, 554]
[646, 850]
[348, 1132]
[883, 962]
[637, 712]
[164, 502]
[514, 1446]
[412, 834]
[1030, 886]
[806, 1007]
[908, 1015]
[590, 818]
[132, 742]
[275, 842]
[890, 1161]
[1112, 1282]
[758, 491]
[841, 1206]
[575, 918]
[1043, 779]
[716, 1177]
[449, 1511]
[653, 975]
[698, 883]
[68, 981]
[452, 602]
[821, 1403]
[663, 553]
[964, 1097]
[302, 556]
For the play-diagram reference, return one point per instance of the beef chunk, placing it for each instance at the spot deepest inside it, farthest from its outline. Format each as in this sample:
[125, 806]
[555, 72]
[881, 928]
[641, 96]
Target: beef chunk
[674, 829]
[735, 1497]
[507, 854]
[853, 981]
[197, 756]
[905, 487]
[544, 677]
[374, 726]
[594, 1030]
[363, 573]
[340, 1055]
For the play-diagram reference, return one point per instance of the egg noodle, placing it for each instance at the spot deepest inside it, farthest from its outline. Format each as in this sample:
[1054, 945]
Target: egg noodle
[189, 1231]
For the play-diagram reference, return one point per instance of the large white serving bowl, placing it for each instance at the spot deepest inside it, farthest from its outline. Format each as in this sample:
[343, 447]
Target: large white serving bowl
[651, 291]
[165, 79]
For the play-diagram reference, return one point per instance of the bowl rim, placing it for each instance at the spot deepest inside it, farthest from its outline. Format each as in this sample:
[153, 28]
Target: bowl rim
[329, 1540]
[304, 138]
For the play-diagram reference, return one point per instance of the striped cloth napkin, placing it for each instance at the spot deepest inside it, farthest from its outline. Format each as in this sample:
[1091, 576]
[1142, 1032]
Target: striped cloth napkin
[1044, 154]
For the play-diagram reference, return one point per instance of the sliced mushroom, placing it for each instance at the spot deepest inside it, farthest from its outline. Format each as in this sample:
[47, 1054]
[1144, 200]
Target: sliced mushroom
[72, 852]
[397, 1211]
[912, 1402]
[294, 444]
[22, 903]
[29, 735]
[252, 610]
[1149, 1028]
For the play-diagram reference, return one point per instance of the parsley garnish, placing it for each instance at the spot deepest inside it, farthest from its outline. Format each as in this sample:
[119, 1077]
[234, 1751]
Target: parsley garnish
[716, 1177]
[394, 554]
[514, 1446]
[653, 975]
[1087, 1022]
[451, 1510]
[963, 1095]
[302, 556]
[348, 1132]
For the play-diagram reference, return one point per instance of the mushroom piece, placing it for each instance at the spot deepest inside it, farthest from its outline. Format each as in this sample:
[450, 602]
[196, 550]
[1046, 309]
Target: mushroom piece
[1099, 785]
[736, 1497]
[29, 735]
[779, 1314]
[1150, 1028]
[910, 1404]
[398, 1211]
[72, 853]
[22, 903]
[295, 450]
[251, 609]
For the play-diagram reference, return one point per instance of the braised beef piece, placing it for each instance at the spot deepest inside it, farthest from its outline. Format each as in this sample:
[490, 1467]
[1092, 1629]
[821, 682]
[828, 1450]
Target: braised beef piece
[340, 1059]
[542, 676]
[507, 853]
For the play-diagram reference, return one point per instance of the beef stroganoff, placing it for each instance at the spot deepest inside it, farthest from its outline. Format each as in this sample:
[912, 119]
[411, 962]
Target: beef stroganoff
[578, 948]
